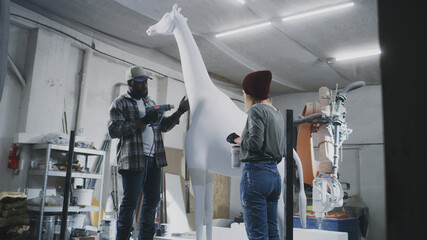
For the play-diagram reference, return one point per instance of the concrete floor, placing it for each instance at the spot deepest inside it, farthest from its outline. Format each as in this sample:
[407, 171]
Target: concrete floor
[237, 232]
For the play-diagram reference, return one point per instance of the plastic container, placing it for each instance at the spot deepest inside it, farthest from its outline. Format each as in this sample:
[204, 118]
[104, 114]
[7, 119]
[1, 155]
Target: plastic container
[84, 196]
[349, 225]
[109, 229]
[164, 229]
[78, 220]
[235, 161]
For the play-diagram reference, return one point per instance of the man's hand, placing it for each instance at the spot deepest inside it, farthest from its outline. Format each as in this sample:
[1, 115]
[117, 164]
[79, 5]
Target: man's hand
[150, 117]
[231, 138]
[184, 105]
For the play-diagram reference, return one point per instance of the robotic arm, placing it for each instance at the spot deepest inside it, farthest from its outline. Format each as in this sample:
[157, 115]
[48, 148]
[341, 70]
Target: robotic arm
[332, 132]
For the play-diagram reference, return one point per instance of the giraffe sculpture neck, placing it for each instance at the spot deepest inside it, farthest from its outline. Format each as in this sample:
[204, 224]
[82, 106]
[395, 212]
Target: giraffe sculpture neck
[196, 77]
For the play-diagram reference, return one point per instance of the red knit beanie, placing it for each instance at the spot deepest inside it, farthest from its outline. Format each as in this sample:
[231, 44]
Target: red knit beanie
[257, 84]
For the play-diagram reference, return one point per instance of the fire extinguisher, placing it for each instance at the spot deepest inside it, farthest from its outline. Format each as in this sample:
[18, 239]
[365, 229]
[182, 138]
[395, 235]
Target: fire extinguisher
[14, 154]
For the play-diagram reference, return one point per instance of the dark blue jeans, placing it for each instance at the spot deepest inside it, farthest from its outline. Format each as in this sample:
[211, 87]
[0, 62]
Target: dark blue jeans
[146, 182]
[260, 189]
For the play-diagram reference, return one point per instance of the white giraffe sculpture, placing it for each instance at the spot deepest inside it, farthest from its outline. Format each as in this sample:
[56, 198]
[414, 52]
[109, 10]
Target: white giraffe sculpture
[213, 117]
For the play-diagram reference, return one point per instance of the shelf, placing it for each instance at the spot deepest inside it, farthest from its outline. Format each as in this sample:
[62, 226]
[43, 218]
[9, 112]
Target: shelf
[38, 172]
[52, 209]
[64, 148]
[47, 149]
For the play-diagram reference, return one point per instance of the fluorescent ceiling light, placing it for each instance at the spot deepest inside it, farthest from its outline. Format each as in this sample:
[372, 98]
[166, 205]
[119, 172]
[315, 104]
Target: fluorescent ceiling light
[243, 29]
[319, 11]
[241, 1]
[360, 54]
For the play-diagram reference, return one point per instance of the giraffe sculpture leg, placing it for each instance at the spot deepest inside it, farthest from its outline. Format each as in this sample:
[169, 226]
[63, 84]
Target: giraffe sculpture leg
[210, 179]
[198, 179]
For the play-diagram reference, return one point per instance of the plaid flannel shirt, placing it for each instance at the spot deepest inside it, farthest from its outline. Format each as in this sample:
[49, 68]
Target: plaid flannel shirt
[130, 150]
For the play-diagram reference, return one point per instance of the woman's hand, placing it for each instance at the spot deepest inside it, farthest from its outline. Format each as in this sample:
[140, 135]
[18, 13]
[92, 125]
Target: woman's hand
[238, 141]
[231, 138]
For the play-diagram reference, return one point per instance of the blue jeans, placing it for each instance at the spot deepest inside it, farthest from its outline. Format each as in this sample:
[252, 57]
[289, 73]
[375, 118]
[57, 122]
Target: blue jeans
[260, 189]
[146, 182]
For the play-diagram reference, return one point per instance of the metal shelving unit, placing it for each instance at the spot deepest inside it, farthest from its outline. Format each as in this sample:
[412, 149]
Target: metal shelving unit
[46, 173]
[62, 174]
[51, 209]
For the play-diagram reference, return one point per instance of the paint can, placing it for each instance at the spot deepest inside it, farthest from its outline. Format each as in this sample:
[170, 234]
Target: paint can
[235, 161]
[47, 228]
[84, 196]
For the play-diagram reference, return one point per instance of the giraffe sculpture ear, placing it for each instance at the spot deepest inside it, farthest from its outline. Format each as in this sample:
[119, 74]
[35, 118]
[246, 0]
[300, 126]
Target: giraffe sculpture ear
[177, 10]
[175, 7]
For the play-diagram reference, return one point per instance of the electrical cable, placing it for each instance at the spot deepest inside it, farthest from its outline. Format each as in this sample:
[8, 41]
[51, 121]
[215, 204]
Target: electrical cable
[152, 128]
[97, 50]
[91, 46]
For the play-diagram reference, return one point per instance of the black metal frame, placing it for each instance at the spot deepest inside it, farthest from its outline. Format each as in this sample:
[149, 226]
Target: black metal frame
[289, 173]
[67, 186]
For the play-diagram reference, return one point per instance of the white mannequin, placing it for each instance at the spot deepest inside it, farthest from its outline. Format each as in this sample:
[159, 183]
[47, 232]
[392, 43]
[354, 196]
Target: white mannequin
[214, 117]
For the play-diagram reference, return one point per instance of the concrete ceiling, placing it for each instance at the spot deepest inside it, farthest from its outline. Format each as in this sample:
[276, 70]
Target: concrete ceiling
[294, 51]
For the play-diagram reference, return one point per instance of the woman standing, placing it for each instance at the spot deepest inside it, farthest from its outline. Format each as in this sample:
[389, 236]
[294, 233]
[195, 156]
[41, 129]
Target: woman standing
[261, 148]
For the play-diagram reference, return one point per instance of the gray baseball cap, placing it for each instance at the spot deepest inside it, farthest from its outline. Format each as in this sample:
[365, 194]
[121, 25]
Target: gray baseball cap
[136, 73]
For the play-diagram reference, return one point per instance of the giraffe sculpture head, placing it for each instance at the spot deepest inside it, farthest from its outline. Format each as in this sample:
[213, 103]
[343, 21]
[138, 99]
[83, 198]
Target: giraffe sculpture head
[166, 25]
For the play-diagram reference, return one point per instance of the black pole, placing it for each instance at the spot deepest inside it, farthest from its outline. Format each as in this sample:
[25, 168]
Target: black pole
[162, 198]
[187, 175]
[67, 185]
[187, 189]
[289, 168]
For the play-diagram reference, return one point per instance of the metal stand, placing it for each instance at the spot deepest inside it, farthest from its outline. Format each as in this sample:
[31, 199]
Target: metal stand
[115, 193]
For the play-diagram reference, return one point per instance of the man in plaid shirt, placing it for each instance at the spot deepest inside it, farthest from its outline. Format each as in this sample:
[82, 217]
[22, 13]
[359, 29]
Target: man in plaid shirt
[140, 152]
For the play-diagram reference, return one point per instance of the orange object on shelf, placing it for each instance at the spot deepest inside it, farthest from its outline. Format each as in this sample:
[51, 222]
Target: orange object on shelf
[328, 215]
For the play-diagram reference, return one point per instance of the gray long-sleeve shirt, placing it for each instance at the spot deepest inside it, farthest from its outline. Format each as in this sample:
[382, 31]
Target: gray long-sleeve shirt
[264, 134]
